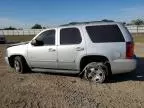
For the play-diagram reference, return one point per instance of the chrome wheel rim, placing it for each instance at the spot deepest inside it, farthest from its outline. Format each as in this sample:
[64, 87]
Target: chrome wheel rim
[17, 66]
[96, 73]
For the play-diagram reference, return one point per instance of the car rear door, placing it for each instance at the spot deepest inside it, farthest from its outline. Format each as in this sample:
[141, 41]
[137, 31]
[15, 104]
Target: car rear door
[71, 46]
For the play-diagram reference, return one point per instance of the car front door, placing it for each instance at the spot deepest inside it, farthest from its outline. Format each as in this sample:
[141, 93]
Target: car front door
[44, 55]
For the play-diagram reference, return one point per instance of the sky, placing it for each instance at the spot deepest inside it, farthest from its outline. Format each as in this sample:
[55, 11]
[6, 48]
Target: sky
[25, 13]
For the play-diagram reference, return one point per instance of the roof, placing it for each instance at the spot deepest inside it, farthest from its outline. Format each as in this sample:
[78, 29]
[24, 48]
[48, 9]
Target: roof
[75, 24]
[92, 23]
[88, 23]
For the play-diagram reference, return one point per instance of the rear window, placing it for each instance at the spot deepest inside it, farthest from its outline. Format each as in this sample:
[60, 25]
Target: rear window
[105, 33]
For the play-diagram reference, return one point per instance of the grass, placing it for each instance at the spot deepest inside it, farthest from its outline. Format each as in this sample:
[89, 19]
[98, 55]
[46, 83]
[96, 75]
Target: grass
[19, 38]
[138, 34]
[138, 38]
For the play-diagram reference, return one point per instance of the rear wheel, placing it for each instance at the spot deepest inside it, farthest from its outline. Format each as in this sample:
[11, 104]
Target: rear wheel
[20, 65]
[96, 72]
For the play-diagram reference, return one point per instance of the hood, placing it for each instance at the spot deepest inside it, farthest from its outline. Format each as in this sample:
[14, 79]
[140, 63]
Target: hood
[21, 43]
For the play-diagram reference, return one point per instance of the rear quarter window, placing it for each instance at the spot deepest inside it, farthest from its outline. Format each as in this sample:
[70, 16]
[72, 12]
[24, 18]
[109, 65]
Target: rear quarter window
[105, 33]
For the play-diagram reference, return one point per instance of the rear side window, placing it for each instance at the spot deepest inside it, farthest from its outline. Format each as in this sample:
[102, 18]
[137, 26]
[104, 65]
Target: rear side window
[70, 36]
[105, 33]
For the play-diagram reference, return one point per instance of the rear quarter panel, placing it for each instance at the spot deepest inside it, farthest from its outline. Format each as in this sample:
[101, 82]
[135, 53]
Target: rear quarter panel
[111, 50]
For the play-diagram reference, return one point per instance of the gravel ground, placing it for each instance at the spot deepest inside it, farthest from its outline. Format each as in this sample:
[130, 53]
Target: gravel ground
[39, 90]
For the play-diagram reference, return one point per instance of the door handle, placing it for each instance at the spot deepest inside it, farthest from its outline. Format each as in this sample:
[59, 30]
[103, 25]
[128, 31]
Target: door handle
[79, 49]
[51, 49]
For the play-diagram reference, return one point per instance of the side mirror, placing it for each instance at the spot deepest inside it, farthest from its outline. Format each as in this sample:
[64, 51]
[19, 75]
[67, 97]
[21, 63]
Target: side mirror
[37, 42]
[33, 42]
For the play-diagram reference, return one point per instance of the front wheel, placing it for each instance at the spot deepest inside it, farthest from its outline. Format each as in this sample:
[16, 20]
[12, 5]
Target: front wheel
[96, 72]
[20, 64]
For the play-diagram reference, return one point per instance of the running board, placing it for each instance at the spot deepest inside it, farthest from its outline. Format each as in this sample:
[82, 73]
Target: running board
[55, 71]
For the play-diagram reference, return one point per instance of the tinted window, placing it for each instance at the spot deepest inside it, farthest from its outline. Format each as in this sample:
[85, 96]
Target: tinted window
[48, 37]
[70, 36]
[105, 33]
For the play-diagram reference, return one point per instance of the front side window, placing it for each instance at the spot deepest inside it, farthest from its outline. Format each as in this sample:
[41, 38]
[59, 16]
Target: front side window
[47, 37]
[70, 36]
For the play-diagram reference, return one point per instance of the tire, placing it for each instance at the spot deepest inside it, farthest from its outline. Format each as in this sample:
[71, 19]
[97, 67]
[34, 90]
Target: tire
[96, 72]
[20, 65]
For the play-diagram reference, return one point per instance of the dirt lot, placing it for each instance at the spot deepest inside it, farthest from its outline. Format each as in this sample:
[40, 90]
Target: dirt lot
[39, 90]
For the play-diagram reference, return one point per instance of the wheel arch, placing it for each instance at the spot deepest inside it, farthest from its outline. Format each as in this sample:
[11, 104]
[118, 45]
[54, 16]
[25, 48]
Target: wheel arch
[11, 59]
[88, 58]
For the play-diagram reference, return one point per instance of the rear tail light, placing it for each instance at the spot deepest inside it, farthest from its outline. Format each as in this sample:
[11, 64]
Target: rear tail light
[129, 50]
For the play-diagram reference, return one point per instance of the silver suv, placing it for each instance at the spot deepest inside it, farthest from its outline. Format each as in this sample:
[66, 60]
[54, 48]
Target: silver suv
[94, 50]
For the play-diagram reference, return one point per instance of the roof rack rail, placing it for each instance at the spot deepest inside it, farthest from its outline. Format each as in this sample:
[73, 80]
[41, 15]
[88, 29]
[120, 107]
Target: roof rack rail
[89, 22]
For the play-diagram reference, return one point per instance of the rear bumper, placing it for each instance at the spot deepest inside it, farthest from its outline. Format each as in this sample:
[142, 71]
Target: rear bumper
[123, 65]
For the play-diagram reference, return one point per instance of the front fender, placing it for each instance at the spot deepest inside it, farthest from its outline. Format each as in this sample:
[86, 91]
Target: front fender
[18, 50]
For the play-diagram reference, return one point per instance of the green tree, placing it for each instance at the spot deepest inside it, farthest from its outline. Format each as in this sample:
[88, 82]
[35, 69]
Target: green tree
[44, 27]
[137, 22]
[37, 26]
[10, 28]
[107, 20]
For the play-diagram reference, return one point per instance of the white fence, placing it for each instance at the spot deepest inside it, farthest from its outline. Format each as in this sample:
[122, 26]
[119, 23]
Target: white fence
[21, 32]
[132, 29]
[136, 29]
